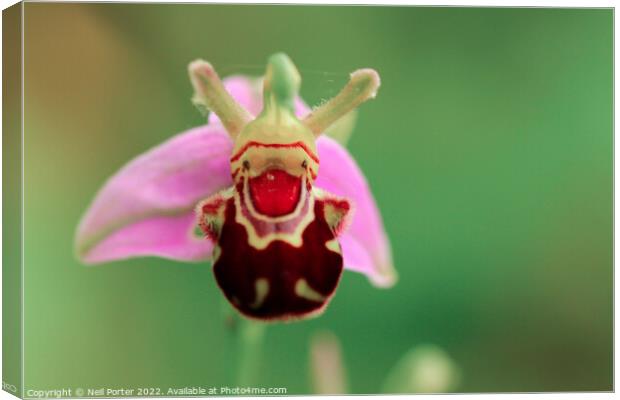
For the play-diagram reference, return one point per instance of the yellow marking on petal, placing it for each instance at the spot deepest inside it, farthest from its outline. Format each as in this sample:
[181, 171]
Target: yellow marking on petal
[217, 251]
[214, 221]
[335, 216]
[262, 289]
[333, 245]
[303, 290]
[294, 238]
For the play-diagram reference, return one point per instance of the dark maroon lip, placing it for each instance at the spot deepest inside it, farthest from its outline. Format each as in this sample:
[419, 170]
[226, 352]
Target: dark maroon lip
[275, 192]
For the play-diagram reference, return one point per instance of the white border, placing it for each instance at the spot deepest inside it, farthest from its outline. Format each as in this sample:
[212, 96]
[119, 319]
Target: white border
[547, 3]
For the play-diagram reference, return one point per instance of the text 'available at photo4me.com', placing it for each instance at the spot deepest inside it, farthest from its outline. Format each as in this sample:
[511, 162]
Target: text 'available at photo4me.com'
[154, 391]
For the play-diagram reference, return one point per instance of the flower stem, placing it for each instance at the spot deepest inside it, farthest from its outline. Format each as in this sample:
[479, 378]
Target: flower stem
[245, 340]
[249, 344]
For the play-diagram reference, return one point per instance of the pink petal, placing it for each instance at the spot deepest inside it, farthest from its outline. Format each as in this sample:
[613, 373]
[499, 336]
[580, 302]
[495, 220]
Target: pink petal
[301, 108]
[365, 245]
[167, 237]
[147, 208]
[249, 93]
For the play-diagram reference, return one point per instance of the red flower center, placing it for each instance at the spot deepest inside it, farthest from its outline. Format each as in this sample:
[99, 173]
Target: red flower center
[275, 192]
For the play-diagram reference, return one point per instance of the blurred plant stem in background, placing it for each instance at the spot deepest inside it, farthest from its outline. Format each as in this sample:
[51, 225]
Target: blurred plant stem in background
[423, 369]
[327, 368]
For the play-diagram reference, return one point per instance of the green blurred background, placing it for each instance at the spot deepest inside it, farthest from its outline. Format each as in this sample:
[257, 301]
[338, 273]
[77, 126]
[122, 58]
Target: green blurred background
[489, 151]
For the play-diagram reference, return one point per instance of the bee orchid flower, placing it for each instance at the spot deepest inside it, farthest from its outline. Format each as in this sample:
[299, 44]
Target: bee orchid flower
[246, 192]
